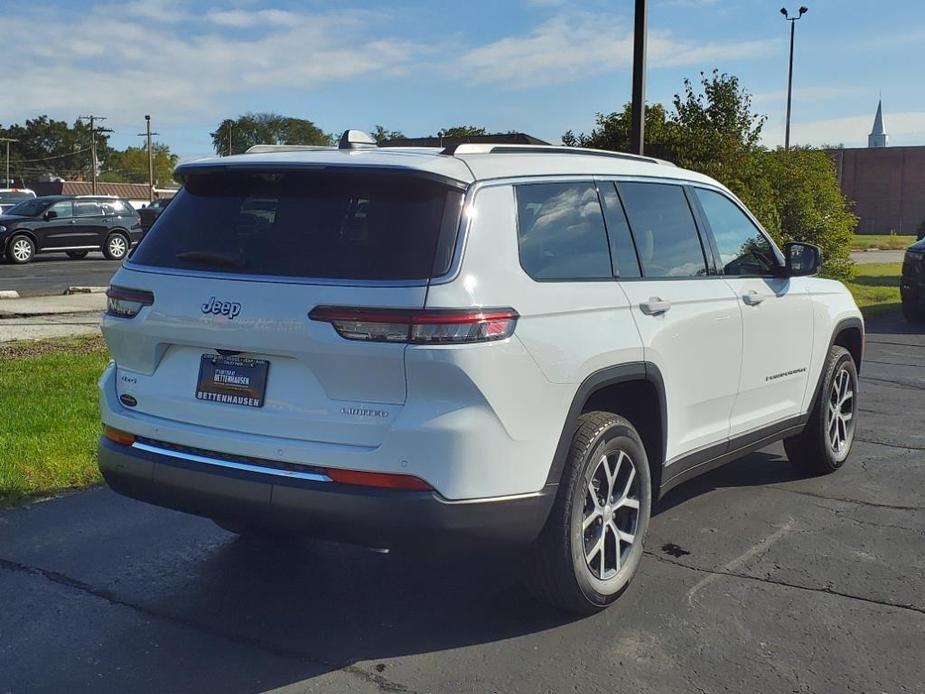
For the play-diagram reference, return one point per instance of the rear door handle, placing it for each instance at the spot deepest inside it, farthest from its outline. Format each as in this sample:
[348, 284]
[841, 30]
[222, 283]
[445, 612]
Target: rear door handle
[655, 306]
[752, 298]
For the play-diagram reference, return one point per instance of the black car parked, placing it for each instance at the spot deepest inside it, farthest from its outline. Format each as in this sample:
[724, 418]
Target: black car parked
[71, 224]
[912, 283]
[152, 211]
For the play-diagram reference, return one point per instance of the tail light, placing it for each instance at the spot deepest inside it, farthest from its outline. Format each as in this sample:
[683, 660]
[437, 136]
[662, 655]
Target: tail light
[423, 327]
[122, 302]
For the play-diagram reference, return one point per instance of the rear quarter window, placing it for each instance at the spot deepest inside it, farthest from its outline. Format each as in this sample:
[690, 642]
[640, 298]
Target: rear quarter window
[560, 232]
[350, 225]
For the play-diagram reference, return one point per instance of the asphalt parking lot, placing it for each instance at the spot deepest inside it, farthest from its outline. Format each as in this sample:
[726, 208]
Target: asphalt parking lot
[755, 579]
[54, 273]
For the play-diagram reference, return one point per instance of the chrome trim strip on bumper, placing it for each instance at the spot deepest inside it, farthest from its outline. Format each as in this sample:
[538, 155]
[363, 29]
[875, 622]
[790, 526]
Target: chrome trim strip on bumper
[291, 474]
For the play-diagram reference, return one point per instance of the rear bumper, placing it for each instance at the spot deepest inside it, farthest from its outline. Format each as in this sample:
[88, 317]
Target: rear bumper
[340, 512]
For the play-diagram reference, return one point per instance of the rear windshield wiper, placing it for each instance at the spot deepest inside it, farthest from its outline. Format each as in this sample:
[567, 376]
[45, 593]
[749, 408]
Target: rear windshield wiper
[221, 259]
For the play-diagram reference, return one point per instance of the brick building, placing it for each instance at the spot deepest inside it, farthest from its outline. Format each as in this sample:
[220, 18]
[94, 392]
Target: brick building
[886, 184]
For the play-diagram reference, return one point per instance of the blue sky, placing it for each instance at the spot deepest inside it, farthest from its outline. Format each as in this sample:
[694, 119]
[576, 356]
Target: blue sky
[539, 66]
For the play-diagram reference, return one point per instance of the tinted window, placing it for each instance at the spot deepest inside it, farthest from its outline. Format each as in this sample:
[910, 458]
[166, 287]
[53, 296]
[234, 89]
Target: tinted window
[361, 225]
[62, 209]
[87, 208]
[743, 249]
[664, 230]
[116, 207]
[560, 232]
[28, 208]
[618, 231]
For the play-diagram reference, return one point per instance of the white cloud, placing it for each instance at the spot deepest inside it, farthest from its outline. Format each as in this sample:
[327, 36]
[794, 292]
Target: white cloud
[180, 75]
[570, 47]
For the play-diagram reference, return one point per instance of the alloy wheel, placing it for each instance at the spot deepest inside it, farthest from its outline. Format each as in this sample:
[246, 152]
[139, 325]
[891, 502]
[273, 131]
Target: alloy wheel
[840, 416]
[117, 246]
[611, 514]
[21, 250]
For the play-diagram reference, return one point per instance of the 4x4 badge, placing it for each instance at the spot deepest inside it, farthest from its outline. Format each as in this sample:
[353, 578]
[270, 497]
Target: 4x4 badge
[221, 308]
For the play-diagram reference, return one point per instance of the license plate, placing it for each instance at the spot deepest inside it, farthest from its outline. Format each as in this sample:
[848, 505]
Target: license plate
[232, 380]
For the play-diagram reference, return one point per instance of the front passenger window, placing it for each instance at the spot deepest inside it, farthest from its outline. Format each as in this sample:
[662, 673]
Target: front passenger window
[743, 249]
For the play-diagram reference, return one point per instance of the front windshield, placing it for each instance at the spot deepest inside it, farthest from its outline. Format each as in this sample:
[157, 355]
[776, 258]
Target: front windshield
[8, 197]
[28, 208]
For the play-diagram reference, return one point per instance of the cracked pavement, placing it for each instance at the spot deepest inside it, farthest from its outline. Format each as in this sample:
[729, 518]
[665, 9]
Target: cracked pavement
[754, 579]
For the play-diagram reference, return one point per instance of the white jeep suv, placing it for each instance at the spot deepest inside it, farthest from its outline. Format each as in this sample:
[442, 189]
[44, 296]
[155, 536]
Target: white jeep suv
[490, 343]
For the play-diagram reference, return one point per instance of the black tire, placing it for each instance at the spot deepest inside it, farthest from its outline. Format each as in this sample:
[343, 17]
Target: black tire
[77, 255]
[914, 313]
[562, 574]
[117, 246]
[21, 250]
[813, 450]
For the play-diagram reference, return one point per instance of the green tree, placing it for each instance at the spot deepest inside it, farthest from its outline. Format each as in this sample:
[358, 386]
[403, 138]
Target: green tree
[236, 136]
[612, 131]
[461, 131]
[811, 207]
[380, 134]
[131, 165]
[52, 146]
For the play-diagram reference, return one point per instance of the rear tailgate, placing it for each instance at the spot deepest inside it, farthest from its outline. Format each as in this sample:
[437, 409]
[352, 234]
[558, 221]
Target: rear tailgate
[234, 266]
[319, 386]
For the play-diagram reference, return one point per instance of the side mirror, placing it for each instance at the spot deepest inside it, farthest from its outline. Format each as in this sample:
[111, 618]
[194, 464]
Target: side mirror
[802, 259]
[51, 214]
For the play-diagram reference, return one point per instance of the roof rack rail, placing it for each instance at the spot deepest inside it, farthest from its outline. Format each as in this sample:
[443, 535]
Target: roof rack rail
[551, 149]
[263, 149]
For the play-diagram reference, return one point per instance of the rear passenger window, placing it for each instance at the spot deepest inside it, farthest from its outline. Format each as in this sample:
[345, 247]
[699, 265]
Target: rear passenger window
[618, 231]
[560, 232]
[663, 227]
[87, 208]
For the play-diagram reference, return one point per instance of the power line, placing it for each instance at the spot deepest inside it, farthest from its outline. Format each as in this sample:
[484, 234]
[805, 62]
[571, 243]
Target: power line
[93, 119]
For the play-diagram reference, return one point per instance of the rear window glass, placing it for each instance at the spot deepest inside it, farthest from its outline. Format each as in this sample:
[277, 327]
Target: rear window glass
[361, 225]
[663, 226]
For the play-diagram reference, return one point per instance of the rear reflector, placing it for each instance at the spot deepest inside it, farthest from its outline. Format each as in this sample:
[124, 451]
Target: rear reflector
[123, 438]
[427, 326]
[123, 302]
[377, 479]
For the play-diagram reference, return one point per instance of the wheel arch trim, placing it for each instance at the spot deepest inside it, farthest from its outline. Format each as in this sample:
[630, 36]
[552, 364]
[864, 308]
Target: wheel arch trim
[641, 371]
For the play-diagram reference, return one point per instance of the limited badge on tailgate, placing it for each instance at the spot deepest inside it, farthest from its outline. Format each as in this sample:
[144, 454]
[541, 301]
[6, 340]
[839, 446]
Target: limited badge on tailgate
[232, 380]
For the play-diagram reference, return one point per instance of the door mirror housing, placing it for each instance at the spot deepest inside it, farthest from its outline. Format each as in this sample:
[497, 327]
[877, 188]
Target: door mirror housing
[49, 215]
[802, 259]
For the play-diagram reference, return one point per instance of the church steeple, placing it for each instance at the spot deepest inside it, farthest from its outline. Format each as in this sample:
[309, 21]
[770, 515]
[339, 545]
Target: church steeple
[877, 137]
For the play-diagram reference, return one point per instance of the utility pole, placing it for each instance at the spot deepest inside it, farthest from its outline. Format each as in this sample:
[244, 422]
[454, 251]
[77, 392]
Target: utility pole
[93, 131]
[8, 140]
[230, 126]
[638, 127]
[148, 134]
[793, 20]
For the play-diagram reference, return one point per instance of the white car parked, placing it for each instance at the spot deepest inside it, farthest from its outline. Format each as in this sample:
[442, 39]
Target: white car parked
[488, 342]
[10, 197]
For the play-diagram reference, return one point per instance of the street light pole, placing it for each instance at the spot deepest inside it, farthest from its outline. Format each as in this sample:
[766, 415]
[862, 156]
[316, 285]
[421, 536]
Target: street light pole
[7, 140]
[638, 125]
[783, 10]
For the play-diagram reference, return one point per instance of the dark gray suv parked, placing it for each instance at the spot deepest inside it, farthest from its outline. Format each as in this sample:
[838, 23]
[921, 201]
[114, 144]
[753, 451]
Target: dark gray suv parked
[70, 224]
